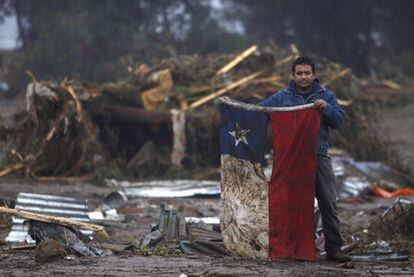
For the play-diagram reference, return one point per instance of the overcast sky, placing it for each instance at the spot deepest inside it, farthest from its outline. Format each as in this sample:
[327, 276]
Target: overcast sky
[8, 33]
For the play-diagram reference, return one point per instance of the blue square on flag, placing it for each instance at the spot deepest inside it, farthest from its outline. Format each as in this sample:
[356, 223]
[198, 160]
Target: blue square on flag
[243, 133]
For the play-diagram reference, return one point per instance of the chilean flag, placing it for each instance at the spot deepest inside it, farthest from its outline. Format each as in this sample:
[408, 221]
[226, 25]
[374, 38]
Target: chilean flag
[261, 218]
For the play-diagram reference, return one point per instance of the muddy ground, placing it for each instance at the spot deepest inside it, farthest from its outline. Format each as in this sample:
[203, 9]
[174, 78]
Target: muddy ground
[141, 213]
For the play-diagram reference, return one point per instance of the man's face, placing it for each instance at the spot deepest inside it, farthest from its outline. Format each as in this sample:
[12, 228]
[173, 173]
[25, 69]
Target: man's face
[303, 76]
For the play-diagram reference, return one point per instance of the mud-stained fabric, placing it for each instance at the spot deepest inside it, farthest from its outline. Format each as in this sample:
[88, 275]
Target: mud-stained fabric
[259, 219]
[292, 185]
[244, 208]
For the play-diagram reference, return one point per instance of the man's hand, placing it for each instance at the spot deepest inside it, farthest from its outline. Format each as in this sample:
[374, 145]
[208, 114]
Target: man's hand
[320, 104]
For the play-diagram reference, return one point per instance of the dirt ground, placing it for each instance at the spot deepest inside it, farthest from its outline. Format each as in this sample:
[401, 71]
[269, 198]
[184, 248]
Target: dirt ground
[141, 213]
[22, 264]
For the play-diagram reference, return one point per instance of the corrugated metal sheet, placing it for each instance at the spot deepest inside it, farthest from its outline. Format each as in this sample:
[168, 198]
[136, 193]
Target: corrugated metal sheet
[168, 188]
[48, 205]
[207, 220]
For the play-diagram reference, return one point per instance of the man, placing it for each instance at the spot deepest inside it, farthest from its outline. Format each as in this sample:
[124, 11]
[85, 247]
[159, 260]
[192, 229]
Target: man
[305, 88]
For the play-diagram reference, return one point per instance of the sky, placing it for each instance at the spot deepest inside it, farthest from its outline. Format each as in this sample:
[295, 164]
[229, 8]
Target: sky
[8, 33]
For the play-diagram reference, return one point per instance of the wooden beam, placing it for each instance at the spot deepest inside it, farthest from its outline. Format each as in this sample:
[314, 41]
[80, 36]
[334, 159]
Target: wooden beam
[285, 60]
[344, 102]
[269, 81]
[205, 88]
[71, 179]
[295, 50]
[12, 168]
[341, 74]
[224, 90]
[237, 60]
[98, 230]
[391, 84]
[77, 102]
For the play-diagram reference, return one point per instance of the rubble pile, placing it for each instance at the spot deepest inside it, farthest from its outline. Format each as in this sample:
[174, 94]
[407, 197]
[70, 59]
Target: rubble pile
[396, 224]
[163, 118]
[179, 235]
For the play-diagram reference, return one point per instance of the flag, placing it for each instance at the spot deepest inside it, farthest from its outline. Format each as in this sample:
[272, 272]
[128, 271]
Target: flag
[261, 218]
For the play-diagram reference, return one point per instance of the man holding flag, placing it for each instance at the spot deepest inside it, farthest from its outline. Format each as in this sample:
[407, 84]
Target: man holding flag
[282, 208]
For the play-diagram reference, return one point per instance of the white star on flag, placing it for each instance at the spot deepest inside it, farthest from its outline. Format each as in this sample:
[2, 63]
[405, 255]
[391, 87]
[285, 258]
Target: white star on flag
[239, 134]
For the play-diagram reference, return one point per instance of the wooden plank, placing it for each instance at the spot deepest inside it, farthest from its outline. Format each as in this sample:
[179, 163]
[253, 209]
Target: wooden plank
[391, 84]
[224, 90]
[99, 231]
[285, 60]
[71, 179]
[344, 103]
[77, 102]
[12, 168]
[205, 88]
[341, 74]
[295, 50]
[237, 60]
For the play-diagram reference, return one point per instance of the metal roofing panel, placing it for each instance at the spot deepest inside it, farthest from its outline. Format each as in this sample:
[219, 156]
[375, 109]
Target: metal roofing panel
[47, 205]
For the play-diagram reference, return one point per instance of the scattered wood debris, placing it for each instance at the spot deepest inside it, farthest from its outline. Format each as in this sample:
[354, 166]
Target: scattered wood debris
[101, 129]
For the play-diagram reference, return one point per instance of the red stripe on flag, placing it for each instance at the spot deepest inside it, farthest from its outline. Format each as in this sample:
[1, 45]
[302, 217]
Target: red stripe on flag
[292, 185]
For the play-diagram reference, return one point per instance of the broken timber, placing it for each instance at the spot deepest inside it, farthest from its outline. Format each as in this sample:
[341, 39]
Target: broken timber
[99, 231]
[224, 90]
[237, 60]
[10, 169]
[341, 74]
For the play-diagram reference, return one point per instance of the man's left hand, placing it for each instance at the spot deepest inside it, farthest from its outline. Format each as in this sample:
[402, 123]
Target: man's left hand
[320, 104]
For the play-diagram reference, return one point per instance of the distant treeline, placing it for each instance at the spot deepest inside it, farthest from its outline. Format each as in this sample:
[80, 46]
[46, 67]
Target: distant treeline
[97, 39]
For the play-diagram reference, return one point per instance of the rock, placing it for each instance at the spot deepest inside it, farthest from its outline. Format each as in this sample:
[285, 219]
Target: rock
[49, 250]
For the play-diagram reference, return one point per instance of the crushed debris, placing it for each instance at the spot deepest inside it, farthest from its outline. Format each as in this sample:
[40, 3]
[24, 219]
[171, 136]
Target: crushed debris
[162, 121]
[107, 130]
[47, 205]
[396, 224]
[190, 237]
[68, 237]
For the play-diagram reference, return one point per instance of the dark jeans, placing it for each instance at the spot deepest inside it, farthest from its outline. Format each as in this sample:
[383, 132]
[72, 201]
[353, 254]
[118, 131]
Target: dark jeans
[326, 195]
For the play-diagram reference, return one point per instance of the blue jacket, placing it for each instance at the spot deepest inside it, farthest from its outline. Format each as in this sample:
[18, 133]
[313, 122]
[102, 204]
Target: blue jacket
[332, 115]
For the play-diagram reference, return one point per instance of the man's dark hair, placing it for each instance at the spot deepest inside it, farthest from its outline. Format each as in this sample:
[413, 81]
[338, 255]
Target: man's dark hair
[305, 60]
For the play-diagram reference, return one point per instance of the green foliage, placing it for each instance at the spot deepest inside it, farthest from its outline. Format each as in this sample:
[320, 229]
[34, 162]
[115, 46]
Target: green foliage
[160, 250]
[183, 91]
